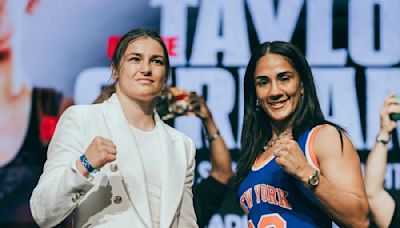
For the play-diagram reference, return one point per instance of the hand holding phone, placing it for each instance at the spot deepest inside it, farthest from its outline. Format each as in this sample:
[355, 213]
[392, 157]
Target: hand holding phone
[395, 115]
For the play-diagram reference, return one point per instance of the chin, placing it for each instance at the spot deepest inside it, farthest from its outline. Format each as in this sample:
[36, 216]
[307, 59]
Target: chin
[146, 97]
[279, 117]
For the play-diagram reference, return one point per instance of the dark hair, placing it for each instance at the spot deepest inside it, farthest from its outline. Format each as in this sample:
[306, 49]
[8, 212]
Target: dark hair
[119, 53]
[256, 128]
[134, 35]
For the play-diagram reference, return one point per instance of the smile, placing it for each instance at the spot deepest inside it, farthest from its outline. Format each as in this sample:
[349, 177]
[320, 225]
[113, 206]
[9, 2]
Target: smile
[277, 104]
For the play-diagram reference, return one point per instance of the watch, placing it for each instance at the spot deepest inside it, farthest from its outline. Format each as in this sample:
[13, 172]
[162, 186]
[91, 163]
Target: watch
[381, 139]
[313, 180]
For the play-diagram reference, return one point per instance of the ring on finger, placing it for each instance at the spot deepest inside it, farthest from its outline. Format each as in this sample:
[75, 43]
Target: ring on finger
[277, 151]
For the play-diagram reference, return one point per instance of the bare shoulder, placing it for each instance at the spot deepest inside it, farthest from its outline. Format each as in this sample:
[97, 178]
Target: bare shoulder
[331, 141]
[327, 131]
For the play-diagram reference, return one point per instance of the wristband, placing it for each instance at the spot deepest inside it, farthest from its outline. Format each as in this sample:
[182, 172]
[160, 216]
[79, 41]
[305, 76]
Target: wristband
[214, 136]
[86, 164]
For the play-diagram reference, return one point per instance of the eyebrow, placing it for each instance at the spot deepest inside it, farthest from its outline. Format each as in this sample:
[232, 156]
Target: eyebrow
[279, 74]
[261, 77]
[157, 56]
[285, 73]
[140, 54]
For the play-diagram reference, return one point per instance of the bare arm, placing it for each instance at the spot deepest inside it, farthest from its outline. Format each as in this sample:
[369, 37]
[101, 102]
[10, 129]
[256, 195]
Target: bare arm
[220, 156]
[221, 161]
[381, 203]
[341, 188]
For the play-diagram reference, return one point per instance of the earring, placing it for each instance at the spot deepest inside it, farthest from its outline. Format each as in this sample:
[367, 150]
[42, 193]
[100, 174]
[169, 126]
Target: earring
[258, 105]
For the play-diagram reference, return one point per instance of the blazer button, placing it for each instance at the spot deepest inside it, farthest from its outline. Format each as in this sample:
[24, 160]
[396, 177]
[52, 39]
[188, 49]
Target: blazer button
[114, 167]
[81, 192]
[74, 199]
[77, 195]
[117, 199]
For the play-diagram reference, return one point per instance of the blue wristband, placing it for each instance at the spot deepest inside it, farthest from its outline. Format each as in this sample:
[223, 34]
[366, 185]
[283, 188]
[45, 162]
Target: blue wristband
[86, 164]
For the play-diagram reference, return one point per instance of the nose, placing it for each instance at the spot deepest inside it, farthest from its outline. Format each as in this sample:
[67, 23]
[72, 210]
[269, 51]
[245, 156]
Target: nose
[275, 91]
[145, 69]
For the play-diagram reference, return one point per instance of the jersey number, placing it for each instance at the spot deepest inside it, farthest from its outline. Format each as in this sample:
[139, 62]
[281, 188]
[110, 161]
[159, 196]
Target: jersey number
[271, 220]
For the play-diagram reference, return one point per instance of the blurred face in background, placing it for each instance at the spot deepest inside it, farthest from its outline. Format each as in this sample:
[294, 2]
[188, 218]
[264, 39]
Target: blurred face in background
[6, 30]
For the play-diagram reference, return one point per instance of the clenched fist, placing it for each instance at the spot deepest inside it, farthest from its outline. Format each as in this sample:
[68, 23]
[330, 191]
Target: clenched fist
[99, 152]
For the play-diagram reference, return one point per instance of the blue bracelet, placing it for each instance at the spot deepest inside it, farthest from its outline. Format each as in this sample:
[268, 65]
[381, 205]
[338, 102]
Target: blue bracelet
[86, 164]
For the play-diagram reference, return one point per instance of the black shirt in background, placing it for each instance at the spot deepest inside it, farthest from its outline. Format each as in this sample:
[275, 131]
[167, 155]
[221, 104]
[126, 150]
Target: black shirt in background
[208, 197]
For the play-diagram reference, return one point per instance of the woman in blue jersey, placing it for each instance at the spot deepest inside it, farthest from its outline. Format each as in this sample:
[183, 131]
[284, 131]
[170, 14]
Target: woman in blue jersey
[296, 169]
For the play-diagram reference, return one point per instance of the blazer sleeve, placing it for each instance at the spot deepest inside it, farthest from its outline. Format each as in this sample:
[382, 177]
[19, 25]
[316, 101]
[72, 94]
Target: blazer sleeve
[187, 217]
[61, 186]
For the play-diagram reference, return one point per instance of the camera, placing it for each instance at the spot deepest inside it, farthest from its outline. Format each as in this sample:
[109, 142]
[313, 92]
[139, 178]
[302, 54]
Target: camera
[395, 115]
[173, 103]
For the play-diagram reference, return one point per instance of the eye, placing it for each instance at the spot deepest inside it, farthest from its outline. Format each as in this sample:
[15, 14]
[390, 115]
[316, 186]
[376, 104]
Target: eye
[158, 62]
[134, 59]
[261, 81]
[285, 77]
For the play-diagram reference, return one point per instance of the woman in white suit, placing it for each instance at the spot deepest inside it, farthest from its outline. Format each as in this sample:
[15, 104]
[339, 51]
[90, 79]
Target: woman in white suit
[116, 164]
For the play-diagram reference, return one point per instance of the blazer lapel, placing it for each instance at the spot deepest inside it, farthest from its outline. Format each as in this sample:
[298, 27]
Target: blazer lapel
[173, 179]
[128, 157]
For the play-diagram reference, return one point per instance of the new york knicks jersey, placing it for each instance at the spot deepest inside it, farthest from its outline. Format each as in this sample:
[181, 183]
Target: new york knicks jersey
[272, 198]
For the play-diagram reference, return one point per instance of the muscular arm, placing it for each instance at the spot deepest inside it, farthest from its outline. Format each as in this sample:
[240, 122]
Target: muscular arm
[341, 188]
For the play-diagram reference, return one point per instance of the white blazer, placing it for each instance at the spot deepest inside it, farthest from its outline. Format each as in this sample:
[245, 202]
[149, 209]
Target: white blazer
[116, 195]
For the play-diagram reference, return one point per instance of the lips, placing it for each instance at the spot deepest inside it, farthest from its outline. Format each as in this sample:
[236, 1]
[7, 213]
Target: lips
[145, 80]
[277, 104]
[5, 40]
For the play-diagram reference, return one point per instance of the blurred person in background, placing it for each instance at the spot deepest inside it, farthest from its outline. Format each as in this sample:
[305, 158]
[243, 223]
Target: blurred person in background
[27, 120]
[384, 204]
[209, 194]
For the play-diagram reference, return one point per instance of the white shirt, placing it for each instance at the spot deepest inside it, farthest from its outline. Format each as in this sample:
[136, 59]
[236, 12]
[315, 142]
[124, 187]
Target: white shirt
[150, 150]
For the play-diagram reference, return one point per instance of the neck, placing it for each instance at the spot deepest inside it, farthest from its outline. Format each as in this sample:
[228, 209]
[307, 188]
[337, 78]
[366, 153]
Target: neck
[7, 95]
[138, 113]
[278, 129]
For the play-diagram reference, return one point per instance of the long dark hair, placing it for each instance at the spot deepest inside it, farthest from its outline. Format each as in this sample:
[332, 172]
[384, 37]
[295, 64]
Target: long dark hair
[119, 53]
[256, 124]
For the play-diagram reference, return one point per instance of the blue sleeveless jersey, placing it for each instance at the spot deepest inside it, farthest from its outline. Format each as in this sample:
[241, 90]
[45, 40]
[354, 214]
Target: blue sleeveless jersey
[272, 198]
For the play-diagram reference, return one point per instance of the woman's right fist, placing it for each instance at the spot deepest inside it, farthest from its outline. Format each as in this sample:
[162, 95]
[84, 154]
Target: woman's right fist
[99, 152]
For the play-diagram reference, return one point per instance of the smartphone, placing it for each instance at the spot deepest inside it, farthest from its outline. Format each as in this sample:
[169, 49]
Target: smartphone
[395, 115]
